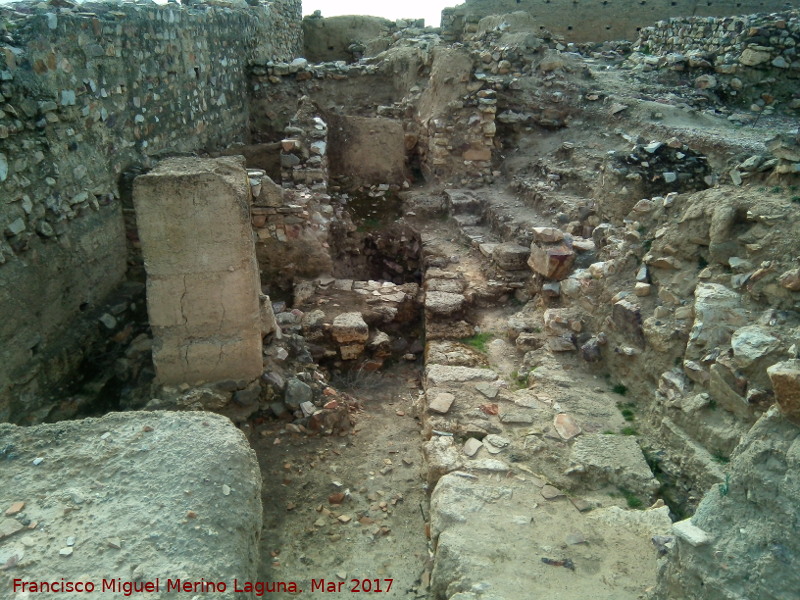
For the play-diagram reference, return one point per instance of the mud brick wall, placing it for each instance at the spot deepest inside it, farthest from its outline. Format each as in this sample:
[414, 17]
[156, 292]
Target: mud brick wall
[597, 20]
[87, 94]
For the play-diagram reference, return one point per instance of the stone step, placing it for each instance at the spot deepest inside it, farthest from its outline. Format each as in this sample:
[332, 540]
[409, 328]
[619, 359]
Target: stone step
[461, 201]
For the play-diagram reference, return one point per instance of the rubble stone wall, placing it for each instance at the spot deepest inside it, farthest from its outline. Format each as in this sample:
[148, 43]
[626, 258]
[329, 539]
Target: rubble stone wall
[86, 94]
[753, 57]
[775, 35]
[596, 20]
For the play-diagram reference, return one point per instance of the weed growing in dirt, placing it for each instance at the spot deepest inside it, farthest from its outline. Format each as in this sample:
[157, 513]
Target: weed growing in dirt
[631, 499]
[629, 431]
[619, 389]
[720, 458]
[478, 341]
[355, 381]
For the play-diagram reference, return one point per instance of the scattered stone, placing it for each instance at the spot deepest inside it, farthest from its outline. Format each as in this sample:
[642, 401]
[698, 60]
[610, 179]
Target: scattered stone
[487, 389]
[554, 262]
[690, 533]
[471, 446]
[785, 378]
[495, 444]
[114, 542]
[551, 493]
[344, 518]
[66, 551]
[9, 527]
[441, 403]
[791, 280]
[566, 426]
[15, 508]
[297, 393]
[350, 327]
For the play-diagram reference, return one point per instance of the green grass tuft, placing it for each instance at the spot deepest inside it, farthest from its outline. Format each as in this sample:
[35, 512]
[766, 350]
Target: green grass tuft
[478, 341]
[629, 431]
[619, 389]
[631, 499]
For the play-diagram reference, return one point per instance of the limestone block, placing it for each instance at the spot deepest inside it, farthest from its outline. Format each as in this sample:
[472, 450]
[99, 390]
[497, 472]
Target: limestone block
[785, 377]
[628, 320]
[547, 235]
[728, 391]
[613, 459]
[443, 374]
[443, 303]
[752, 58]
[690, 533]
[350, 327]
[511, 256]
[351, 351]
[552, 262]
[174, 451]
[718, 312]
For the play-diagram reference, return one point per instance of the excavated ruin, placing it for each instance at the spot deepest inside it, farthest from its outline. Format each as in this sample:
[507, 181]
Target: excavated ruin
[504, 309]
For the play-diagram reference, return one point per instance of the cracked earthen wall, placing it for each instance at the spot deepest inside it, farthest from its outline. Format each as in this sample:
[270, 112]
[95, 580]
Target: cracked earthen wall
[598, 20]
[202, 277]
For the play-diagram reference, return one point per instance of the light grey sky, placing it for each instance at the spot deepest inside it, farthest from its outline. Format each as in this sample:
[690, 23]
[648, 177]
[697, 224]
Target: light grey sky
[430, 10]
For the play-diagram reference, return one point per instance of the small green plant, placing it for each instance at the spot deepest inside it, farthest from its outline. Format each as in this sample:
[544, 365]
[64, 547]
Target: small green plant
[712, 404]
[629, 431]
[609, 432]
[619, 389]
[627, 414]
[721, 458]
[631, 499]
[796, 199]
[776, 189]
[478, 341]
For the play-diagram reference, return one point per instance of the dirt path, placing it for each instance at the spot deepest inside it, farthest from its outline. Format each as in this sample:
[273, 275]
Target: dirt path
[377, 533]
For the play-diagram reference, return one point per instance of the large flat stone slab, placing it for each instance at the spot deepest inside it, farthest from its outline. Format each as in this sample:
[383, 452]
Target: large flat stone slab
[136, 496]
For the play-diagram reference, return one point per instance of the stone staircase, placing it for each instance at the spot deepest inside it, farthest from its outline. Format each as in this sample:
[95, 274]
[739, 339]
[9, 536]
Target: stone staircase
[520, 460]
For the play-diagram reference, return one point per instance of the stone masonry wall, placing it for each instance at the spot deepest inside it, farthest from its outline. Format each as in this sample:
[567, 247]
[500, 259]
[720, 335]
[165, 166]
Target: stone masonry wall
[753, 58]
[597, 20]
[86, 94]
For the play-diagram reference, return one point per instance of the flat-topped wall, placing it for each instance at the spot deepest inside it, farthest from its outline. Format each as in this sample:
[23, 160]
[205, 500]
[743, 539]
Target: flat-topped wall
[598, 20]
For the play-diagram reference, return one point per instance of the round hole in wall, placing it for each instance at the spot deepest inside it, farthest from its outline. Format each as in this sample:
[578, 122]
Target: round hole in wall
[569, 27]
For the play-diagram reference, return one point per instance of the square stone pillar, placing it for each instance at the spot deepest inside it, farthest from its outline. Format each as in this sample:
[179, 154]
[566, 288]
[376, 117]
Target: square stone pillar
[203, 286]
